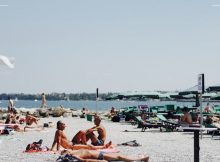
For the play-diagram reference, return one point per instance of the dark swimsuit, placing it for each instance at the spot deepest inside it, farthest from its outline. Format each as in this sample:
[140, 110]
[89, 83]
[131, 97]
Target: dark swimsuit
[101, 156]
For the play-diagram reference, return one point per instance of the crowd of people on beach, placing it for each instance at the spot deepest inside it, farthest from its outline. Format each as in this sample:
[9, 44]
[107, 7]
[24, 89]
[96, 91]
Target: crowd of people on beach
[79, 147]
[86, 145]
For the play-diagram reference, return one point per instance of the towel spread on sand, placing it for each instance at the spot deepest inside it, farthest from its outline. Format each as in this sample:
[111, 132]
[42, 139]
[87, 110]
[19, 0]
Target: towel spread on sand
[130, 143]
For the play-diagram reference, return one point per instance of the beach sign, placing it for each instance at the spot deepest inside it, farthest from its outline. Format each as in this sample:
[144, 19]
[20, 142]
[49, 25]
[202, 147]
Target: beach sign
[201, 87]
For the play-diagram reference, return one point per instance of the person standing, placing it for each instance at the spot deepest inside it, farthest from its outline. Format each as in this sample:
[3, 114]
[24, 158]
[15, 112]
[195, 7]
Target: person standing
[10, 104]
[43, 98]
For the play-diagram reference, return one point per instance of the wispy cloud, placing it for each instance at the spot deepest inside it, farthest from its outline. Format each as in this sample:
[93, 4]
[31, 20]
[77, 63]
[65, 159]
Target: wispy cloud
[3, 5]
[215, 5]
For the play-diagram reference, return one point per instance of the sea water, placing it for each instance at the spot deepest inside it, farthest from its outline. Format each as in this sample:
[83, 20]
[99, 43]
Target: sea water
[93, 105]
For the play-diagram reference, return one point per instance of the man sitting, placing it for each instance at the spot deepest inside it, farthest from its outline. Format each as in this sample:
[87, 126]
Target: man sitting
[60, 139]
[186, 118]
[84, 136]
[30, 119]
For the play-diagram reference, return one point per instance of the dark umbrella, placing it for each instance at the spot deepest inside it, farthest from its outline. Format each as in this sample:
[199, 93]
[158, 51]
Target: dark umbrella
[215, 88]
[193, 90]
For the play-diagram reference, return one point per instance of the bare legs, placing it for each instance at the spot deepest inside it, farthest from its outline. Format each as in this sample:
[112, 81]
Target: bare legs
[79, 138]
[92, 137]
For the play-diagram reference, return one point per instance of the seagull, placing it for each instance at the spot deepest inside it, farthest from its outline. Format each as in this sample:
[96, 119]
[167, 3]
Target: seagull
[9, 62]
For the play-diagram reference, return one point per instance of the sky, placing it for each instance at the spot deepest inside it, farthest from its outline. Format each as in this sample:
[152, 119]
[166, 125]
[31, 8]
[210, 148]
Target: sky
[76, 46]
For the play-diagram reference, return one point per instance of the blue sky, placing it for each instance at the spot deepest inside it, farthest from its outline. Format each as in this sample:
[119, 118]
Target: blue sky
[119, 45]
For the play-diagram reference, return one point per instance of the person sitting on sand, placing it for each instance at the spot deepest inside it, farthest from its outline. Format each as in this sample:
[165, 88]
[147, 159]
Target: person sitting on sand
[60, 139]
[112, 112]
[186, 118]
[98, 156]
[30, 119]
[84, 136]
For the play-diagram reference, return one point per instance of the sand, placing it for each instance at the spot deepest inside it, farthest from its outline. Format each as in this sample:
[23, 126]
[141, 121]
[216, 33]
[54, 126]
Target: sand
[160, 146]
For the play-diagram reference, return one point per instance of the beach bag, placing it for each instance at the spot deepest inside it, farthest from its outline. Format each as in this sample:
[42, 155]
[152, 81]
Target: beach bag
[6, 131]
[36, 146]
[116, 119]
[46, 125]
[68, 158]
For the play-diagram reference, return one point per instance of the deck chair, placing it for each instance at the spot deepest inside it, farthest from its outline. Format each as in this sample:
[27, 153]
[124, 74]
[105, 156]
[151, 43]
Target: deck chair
[144, 124]
[169, 125]
[213, 133]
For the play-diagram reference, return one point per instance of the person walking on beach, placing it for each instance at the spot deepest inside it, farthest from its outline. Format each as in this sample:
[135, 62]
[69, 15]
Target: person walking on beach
[60, 139]
[43, 98]
[84, 136]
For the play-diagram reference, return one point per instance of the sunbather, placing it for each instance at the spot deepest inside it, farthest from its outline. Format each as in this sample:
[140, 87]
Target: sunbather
[83, 136]
[98, 156]
[30, 119]
[60, 139]
[186, 118]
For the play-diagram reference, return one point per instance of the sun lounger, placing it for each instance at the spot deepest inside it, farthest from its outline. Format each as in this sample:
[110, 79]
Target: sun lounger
[215, 132]
[169, 125]
[144, 124]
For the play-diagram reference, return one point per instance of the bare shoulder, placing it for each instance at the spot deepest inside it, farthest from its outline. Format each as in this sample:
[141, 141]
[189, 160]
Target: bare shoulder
[59, 132]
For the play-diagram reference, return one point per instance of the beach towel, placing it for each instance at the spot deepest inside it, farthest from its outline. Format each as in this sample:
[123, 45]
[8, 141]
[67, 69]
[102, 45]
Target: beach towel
[6, 131]
[130, 143]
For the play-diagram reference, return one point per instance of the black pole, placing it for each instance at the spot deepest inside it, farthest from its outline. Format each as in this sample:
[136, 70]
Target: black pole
[196, 146]
[203, 83]
[97, 93]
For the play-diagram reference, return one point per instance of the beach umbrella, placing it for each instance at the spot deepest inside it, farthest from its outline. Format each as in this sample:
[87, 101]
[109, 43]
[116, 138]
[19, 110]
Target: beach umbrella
[192, 90]
[209, 95]
[191, 93]
[9, 62]
[112, 97]
[216, 97]
[139, 95]
[215, 88]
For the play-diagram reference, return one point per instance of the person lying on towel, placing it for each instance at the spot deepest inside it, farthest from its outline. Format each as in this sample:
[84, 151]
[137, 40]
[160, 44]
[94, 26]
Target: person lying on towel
[99, 156]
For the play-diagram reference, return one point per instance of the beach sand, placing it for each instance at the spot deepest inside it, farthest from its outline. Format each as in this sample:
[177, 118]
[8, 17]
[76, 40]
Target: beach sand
[160, 146]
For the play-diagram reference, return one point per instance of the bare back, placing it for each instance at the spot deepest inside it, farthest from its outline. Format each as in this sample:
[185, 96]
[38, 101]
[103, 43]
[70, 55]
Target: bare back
[187, 118]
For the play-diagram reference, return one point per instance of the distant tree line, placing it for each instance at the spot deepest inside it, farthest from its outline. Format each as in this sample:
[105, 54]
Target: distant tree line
[56, 96]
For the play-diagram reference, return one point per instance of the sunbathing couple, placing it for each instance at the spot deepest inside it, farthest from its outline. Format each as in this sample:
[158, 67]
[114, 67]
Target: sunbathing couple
[84, 152]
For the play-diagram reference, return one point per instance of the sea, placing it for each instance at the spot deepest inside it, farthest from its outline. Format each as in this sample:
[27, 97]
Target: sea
[94, 105]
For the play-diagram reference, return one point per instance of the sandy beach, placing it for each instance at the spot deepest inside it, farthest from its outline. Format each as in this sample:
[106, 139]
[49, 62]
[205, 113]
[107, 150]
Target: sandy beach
[160, 146]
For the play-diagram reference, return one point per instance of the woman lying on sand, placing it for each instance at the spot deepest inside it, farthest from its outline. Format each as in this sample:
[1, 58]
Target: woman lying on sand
[60, 139]
[98, 156]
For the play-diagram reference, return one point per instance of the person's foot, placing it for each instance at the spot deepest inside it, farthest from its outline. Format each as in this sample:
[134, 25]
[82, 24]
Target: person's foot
[143, 158]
